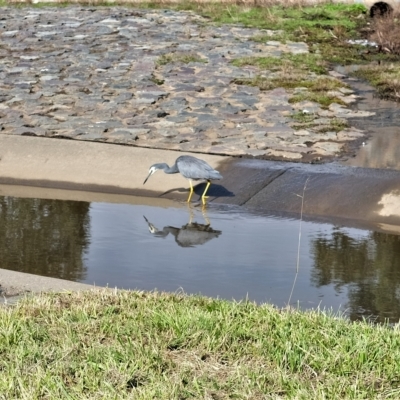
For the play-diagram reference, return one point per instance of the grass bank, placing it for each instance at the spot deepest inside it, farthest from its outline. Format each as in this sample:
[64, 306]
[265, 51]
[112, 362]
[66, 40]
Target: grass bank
[120, 345]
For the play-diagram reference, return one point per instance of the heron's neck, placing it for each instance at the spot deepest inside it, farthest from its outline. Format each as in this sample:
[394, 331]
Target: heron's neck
[171, 170]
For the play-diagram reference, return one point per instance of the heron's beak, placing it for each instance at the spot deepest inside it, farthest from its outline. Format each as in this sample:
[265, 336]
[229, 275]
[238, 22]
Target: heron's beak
[152, 228]
[148, 176]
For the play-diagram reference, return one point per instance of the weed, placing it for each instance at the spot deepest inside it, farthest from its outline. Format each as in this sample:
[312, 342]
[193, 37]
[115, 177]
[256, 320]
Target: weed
[323, 99]
[300, 62]
[386, 33]
[317, 88]
[156, 80]
[303, 118]
[338, 124]
[385, 77]
[178, 57]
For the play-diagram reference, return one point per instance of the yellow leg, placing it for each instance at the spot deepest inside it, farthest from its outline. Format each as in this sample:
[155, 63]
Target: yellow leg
[204, 212]
[191, 191]
[191, 214]
[203, 197]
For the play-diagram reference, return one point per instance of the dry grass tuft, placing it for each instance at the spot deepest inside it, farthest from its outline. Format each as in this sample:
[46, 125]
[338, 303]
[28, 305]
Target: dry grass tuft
[386, 33]
[244, 3]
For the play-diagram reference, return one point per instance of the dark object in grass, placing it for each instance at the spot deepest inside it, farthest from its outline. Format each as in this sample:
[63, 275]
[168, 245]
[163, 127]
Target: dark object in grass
[380, 9]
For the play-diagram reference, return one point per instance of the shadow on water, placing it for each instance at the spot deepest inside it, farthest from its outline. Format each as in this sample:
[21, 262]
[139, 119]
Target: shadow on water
[255, 256]
[44, 237]
[369, 267]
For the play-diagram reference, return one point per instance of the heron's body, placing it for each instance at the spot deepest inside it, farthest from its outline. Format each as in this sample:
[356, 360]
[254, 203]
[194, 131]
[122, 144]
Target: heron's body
[189, 235]
[191, 168]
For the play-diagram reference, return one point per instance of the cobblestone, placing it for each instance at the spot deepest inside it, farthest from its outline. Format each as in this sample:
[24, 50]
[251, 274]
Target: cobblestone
[92, 73]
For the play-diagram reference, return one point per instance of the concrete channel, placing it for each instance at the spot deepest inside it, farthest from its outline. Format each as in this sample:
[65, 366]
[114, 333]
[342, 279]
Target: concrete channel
[361, 197]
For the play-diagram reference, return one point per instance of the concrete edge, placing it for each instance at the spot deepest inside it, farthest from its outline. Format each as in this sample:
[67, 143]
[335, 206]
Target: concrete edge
[333, 190]
[120, 170]
[14, 283]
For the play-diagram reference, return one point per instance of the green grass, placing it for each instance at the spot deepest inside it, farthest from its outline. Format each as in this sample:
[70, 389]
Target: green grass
[179, 57]
[307, 121]
[304, 119]
[320, 84]
[300, 62]
[385, 77]
[317, 88]
[325, 100]
[120, 345]
[325, 27]
[278, 17]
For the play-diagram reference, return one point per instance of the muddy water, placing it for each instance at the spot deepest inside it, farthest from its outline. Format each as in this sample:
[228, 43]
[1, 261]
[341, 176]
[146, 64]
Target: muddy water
[382, 149]
[223, 252]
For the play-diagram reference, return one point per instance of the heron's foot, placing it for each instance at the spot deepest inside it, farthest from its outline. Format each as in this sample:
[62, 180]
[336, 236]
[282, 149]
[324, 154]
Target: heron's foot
[204, 212]
[190, 197]
[203, 200]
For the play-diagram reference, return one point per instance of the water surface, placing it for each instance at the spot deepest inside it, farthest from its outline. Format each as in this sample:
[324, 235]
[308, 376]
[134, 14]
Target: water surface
[223, 252]
[382, 148]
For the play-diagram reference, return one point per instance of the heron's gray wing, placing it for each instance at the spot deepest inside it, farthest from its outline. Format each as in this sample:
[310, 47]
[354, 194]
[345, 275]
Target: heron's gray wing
[195, 234]
[194, 168]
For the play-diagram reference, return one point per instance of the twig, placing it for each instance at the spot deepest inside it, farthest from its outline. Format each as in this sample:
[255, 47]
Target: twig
[298, 246]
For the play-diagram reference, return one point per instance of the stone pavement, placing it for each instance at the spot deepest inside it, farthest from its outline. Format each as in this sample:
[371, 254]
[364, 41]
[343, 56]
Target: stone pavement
[94, 74]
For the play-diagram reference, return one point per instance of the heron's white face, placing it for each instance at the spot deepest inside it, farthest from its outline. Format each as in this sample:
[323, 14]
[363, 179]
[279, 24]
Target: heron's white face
[152, 169]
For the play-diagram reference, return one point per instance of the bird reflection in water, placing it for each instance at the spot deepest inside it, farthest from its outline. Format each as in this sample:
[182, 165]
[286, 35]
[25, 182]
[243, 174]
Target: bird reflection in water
[189, 235]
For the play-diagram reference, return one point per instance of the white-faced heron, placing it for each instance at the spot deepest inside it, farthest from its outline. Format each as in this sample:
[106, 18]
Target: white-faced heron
[189, 235]
[191, 168]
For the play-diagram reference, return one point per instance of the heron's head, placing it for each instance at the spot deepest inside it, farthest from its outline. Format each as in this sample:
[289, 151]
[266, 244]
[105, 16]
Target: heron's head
[152, 228]
[152, 169]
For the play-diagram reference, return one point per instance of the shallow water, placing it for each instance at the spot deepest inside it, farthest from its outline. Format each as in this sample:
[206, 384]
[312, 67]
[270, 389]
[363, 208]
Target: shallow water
[382, 148]
[222, 252]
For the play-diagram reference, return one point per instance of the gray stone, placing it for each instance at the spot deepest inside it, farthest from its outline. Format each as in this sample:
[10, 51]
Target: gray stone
[96, 136]
[207, 118]
[325, 148]
[29, 131]
[121, 98]
[349, 134]
[10, 33]
[92, 74]
[188, 88]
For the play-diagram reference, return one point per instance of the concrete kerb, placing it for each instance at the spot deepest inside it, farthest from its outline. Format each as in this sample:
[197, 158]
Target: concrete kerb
[367, 195]
[14, 283]
[346, 192]
[89, 166]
